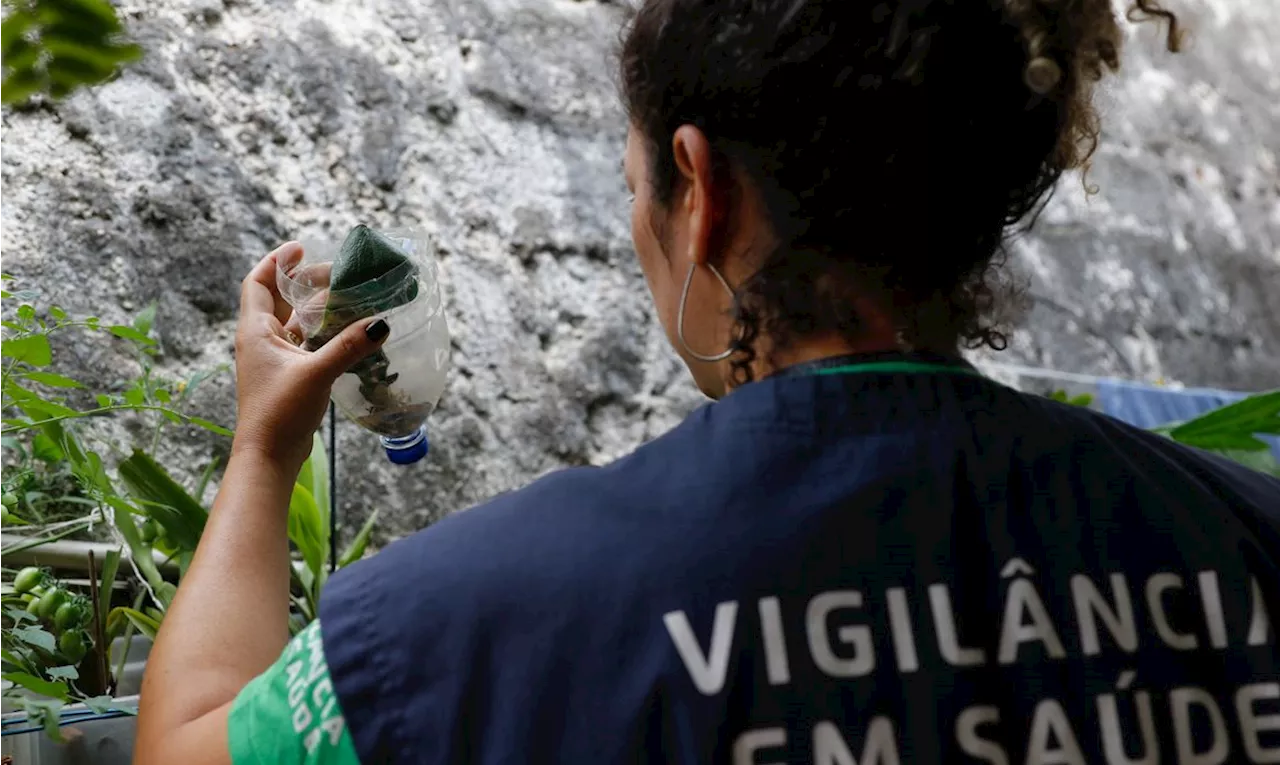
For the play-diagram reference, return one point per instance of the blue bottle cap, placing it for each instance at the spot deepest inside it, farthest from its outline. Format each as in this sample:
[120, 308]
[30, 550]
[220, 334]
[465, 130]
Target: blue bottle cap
[407, 450]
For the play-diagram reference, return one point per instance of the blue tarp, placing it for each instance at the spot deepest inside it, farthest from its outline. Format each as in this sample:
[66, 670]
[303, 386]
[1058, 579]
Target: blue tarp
[1148, 406]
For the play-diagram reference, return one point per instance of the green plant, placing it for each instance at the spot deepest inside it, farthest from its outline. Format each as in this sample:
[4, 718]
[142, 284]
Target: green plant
[44, 412]
[53, 644]
[44, 445]
[52, 47]
[179, 521]
[1084, 399]
[309, 531]
[1231, 431]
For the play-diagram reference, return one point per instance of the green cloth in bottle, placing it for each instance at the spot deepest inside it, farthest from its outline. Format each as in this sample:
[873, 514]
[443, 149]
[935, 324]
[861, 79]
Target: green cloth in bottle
[371, 275]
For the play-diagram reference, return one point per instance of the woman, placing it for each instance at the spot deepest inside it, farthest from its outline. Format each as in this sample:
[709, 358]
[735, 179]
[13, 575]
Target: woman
[863, 552]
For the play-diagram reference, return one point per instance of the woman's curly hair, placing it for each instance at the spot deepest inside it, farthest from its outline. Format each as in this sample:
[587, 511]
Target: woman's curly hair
[894, 142]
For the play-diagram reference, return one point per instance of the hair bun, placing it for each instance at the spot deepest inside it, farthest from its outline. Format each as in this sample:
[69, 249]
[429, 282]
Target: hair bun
[1042, 75]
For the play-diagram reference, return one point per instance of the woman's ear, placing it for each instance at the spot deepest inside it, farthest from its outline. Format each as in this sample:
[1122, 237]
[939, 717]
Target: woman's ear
[698, 199]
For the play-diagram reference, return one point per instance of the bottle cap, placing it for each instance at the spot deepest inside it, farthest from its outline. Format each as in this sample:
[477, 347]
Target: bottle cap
[407, 450]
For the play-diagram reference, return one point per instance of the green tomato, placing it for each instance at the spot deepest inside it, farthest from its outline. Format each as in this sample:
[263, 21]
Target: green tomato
[72, 645]
[69, 615]
[50, 602]
[33, 607]
[28, 579]
[148, 531]
[9, 499]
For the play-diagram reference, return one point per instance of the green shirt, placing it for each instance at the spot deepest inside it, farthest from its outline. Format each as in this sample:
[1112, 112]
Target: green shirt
[289, 714]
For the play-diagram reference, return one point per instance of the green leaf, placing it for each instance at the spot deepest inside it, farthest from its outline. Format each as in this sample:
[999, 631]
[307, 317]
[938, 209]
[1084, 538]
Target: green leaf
[107, 579]
[1084, 399]
[11, 659]
[173, 417]
[21, 57]
[210, 426]
[65, 672]
[66, 442]
[199, 377]
[315, 477]
[305, 529]
[1225, 442]
[44, 449]
[144, 624]
[94, 474]
[134, 396]
[15, 26]
[177, 512]
[165, 592]
[40, 409]
[145, 319]
[103, 400]
[18, 615]
[94, 14]
[72, 67]
[1233, 426]
[1262, 461]
[92, 34]
[101, 704]
[57, 313]
[163, 396]
[33, 683]
[356, 551]
[129, 333]
[26, 312]
[205, 477]
[52, 380]
[45, 712]
[32, 350]
[35, 636]
[302, 577]
[140, 552]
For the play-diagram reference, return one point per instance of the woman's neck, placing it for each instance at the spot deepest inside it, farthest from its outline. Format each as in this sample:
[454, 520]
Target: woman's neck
[817, 348]
[801, 350]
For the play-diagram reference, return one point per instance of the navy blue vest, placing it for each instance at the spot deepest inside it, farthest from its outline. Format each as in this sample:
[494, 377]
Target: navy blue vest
[884, 566]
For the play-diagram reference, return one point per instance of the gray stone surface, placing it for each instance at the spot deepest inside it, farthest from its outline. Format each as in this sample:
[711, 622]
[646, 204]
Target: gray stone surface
[493, 124]
[1172, 271]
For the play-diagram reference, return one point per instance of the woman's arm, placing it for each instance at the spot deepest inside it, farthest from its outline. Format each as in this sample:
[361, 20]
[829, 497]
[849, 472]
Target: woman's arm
[229, 620]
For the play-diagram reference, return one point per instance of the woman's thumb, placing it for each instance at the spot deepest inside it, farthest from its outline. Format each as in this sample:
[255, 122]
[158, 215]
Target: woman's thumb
[354, 343]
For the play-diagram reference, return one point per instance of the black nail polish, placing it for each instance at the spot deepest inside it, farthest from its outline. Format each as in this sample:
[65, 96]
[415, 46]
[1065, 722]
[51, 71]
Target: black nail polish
[377, 330]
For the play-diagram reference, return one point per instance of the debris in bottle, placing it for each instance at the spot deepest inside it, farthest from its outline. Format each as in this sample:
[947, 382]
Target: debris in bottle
[371, 275]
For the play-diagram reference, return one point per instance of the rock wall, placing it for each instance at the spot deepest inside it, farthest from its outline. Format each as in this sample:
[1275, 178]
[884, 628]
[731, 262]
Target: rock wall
[493, 124]
[1173, 269]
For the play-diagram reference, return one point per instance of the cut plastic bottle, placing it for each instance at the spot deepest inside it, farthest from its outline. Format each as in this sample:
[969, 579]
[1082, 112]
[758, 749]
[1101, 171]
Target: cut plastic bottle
[391, 275]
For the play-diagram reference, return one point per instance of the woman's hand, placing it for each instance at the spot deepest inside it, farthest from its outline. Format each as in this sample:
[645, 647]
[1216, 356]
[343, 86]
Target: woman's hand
[282, 391]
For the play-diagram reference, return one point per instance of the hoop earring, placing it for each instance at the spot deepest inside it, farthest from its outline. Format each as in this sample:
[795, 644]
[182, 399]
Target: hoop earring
[684, 298]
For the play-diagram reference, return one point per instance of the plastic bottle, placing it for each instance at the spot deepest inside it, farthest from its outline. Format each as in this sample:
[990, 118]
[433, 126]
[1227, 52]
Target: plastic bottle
[393, 391]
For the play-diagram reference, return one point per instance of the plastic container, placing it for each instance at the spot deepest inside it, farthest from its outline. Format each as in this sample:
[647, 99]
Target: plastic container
[392, 392]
